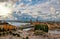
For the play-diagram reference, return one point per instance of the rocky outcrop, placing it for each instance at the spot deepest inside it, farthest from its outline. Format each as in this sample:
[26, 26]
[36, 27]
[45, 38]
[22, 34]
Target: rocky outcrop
[7, 27]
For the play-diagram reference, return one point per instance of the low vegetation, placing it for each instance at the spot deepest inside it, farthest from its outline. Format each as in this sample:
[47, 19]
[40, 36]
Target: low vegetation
[41, 27]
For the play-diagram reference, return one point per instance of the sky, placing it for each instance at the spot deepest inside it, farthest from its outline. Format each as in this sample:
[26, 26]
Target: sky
[43, 10]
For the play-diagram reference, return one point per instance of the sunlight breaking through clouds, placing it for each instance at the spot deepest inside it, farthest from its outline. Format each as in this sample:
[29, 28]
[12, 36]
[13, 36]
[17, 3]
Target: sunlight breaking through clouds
[5, 9]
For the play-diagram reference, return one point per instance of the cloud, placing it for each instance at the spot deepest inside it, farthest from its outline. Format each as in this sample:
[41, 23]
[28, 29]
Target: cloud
[48, 10]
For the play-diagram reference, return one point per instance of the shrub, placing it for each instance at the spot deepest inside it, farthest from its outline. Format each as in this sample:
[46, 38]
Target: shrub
[23, 38]
[3, 30]
[27, 37]
[41, 27]
[14, 34]
[14, 29]
[0, 34]
[4, 33]
[0, 29]
[45, 28]
[10, 32]
[18, 35]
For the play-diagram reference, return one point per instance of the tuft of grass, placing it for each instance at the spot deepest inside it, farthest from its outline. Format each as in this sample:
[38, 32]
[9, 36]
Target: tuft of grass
[39, 32]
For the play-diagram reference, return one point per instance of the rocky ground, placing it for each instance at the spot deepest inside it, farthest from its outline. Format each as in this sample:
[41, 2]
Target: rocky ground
[24, 34]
